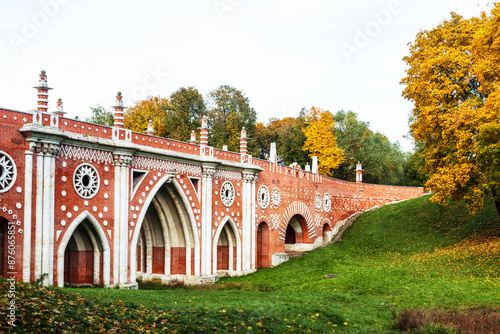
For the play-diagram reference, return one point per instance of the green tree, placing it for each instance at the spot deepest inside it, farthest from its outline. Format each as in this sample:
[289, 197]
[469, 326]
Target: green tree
[415, 175]
[185, 111]
[101, 116]
[351, 134]
[229, 112]
[383, 162]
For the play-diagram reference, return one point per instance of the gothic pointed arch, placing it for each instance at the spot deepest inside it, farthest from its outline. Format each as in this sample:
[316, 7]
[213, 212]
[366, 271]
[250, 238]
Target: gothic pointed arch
[165, 239]
[83, 256]
[227, 247]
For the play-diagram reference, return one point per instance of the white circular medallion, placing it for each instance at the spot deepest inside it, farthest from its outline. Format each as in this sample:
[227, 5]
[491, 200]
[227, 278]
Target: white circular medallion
[276, 197]
[263, 197]
[327, 202]
[86, 181]
[8, 172]
[227, 193]
[318, 202]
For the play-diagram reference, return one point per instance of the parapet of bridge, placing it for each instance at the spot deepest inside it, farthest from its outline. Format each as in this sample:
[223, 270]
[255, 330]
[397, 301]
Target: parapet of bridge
[92, 204]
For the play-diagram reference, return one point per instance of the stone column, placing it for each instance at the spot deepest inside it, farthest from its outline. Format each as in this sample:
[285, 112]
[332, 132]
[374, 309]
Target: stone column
[206, 220]
[45, 201]
[253, 221]
[246, 230]
[39, 211]
[28, 190]
[120, 236]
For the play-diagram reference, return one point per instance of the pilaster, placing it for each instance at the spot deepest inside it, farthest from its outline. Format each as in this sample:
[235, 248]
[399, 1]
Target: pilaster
[122, 164]
[206, 220]
[28, 190]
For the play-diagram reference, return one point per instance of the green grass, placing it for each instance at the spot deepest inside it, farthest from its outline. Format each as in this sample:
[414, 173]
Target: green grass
[413, 254]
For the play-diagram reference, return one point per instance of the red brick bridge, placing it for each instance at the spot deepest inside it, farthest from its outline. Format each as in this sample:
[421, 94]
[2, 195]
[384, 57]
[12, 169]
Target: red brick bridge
[82, 203]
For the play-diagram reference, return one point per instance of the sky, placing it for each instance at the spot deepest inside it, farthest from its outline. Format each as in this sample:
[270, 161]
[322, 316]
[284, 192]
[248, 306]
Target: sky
[283, 54]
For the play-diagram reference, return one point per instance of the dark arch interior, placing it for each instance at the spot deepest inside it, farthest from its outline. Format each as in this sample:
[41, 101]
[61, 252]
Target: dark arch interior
[166, 241]
[263, 245]
[4, 247]
[83, 257]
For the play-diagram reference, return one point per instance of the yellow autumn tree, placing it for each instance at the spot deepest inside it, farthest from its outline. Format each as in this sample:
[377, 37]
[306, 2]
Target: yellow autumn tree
[154, 108]
[452, 78]
[321, 141]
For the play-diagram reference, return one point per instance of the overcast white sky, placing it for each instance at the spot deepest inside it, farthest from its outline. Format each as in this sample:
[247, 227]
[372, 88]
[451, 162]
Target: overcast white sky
[283, 54]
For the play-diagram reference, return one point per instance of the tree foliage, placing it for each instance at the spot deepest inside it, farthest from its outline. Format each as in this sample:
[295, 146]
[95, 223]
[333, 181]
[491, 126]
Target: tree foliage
[351, 134]
[288, 136]
[154, 108]
[229, 112]
[101, 116]
[321, 141]
[452, 79]
[185, 111]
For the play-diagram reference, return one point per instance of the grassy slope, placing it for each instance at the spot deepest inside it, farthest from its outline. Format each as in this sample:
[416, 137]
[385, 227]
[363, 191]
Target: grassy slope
[411, 254]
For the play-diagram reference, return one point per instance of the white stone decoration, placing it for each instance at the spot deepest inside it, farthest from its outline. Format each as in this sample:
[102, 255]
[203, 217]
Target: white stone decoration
[275, 218]
[228, 175]
[86, 181]
[63, 207]
[85, 154]
[327, 202]
[276, 197]
[64, 178]
[227, 193]
[19, 190]
[164, 165]
[63, 223]
[105, 223]
[19, 205]
[318, 203]
[8, 172]
[263, 197]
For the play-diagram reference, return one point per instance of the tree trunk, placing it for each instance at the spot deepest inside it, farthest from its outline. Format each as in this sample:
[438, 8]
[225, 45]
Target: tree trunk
[496, 200]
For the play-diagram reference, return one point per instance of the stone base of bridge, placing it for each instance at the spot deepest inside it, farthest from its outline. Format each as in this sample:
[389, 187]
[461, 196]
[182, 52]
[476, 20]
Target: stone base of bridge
[279, 258]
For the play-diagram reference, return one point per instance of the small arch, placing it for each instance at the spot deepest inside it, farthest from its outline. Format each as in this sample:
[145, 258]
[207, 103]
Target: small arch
[296, 237]
[233, 259]
[327, 233]
[85, 235]
[262, 245]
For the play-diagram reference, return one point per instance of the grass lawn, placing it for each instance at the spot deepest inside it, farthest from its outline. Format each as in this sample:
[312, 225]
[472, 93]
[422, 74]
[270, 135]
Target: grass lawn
[411, 255]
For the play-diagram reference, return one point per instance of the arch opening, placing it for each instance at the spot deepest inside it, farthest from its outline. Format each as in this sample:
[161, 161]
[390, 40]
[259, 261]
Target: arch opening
[263, 260]
[327, 233]
[165, 244]
[226, 249]
[296, 237]
[83, 257]
[4, 247]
